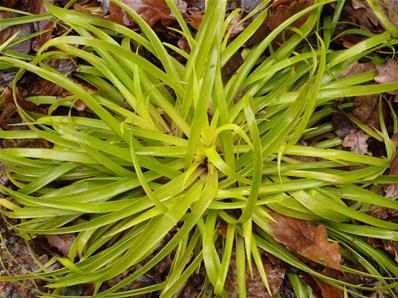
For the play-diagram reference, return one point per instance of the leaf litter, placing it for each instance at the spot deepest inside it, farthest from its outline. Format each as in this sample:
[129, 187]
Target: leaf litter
[303, 238]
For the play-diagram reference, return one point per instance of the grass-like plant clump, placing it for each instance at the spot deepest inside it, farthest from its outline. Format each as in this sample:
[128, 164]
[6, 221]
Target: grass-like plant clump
[169, 154]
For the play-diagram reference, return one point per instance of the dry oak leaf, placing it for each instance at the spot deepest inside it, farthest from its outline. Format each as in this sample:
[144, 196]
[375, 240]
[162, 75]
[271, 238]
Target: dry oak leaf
[151, 11]
[356, 141]
[306, 238]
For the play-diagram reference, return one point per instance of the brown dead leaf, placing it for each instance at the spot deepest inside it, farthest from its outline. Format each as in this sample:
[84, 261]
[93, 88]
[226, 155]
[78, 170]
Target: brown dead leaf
[151, 11]
[392, 248]
[304, 237]
[388, 73]
[366, 109]
[281, 10]
[356, 141]
[391, 190]
[231, 67]
[61, 242]
[357, 68]
[390, 9]
[328, 291]
[359, 12]
[194, 17]
[341, 124]
[235, 27]
[254, 285]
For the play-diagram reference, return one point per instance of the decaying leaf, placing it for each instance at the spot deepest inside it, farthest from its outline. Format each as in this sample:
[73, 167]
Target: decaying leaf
[359, 12]
[151, 11]
[231, 66]
[61, 242]
[328, 291]
[194, 17]
[281, 10]
[306, 238]
[390, 9]
[366, 109]
[391, 190]
[357, 68]
[356, 140]
[254, 285]
[388, 73]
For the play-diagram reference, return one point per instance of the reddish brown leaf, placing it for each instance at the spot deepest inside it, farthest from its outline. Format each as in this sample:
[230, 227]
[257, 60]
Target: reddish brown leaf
[194, 17]
[151, 11]
[329, 291]
[356, 141]
[306, 238]
[61, 242]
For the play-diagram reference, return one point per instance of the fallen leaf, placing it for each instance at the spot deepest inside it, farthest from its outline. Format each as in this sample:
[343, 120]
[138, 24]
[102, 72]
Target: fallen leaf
[306, 238]
[328, 291]
[391, 190]
[6, 76]
[194, 17]
[359, 12]
[235, 26]
[19, 31]
[388, 73]
[357, 68]
[390, 9]
[356, 141]
[366, 109]
[61, 242]
[254, 285]
[392, 248]
[281, 10]
[341, 124]
[151, 11]
[231, 67]
[248, 5]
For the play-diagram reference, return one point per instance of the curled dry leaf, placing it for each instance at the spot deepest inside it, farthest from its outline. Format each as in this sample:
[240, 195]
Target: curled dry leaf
[306, 238]
[151, 11]
[61, 242]
[356, 140]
